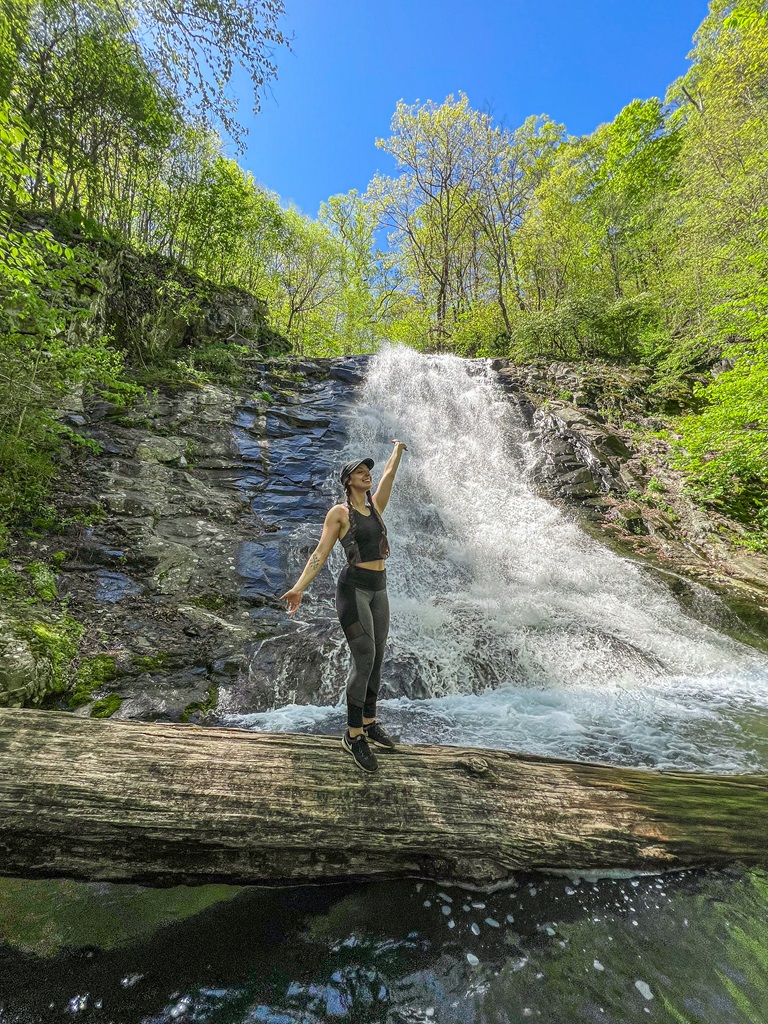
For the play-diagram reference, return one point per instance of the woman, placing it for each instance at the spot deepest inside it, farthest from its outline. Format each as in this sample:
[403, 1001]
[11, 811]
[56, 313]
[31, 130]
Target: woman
[361, 595]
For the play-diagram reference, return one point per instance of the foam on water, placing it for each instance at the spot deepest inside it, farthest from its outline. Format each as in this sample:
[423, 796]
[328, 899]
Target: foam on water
[671, 726]
[527, 633]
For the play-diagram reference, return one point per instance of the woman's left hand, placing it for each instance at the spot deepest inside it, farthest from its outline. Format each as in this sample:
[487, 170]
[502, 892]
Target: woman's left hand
[402, 446]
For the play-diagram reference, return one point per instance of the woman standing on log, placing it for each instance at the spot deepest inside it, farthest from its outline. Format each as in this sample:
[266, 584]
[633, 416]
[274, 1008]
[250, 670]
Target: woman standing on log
[361, 595]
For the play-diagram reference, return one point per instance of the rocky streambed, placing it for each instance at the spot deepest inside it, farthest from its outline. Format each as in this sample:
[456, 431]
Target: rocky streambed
[189, 499]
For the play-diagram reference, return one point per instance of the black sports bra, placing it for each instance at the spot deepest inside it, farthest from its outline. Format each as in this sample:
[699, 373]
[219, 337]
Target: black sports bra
[369, 543]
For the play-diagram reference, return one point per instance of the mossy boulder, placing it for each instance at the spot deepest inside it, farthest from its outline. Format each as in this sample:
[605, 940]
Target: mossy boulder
[92, 674]
[24, 675]
[35, 658]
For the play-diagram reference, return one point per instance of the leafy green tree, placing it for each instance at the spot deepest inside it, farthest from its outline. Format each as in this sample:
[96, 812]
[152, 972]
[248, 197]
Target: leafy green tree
[634, 165]
[93, 108]
[428, 207]
[45, 352]
[715, 214]
[197, 45]
[306, 284]
[369, 276]
[14, 16]
[716, 296]
[193, 46]
[511, 165]
[226, 220]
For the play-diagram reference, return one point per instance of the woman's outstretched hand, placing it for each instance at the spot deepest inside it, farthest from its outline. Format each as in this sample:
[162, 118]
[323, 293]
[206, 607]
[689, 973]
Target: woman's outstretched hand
[401, 445]
[293, 597]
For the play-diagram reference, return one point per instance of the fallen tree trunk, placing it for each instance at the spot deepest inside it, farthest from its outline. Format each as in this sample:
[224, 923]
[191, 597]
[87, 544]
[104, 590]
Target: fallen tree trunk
[166, 804]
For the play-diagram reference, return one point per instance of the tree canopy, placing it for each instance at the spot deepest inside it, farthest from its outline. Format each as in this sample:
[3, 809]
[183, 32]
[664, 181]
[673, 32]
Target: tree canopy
[645, 241]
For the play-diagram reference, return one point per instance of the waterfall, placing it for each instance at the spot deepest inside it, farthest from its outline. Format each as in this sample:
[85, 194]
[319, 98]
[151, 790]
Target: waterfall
[522, 631]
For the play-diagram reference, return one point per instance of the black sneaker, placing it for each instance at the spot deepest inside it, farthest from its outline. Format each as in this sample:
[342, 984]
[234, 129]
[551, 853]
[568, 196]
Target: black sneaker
[376, 733]
[360, 751]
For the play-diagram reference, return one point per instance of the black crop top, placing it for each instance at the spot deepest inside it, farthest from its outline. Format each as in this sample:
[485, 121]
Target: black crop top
[367, 534]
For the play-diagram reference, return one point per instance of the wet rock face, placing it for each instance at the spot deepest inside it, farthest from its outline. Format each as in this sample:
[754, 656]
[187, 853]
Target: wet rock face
[622, 482]
[582, 457]
[206, 503]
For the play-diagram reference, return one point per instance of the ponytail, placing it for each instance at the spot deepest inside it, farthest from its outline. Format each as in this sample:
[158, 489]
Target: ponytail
[352, 549]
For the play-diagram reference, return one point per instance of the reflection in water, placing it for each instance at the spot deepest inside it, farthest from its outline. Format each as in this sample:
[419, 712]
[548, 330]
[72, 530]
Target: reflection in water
[685, 947]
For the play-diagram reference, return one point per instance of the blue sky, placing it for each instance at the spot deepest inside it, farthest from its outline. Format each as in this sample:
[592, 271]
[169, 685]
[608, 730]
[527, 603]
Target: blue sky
[353, 60]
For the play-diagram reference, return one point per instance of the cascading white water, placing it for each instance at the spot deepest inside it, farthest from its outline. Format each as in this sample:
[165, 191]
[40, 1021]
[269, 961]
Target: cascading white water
[485, 575]
[527, 633]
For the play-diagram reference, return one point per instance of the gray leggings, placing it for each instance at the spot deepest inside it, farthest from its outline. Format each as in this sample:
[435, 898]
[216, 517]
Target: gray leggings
[363, 609]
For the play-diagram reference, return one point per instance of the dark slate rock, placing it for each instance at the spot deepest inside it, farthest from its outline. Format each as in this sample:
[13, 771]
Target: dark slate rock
[348, 373]
[115, 586]
[300, 420]
[277, 427]
[259, 563]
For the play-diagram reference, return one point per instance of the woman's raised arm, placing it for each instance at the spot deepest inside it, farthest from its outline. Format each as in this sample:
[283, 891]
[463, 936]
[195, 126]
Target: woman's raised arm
[383, 491]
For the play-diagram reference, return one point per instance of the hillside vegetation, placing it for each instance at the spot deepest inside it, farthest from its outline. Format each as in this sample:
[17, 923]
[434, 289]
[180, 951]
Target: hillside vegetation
[643, 243]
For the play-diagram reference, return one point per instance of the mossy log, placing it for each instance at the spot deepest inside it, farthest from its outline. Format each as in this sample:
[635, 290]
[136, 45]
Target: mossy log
[166, 804]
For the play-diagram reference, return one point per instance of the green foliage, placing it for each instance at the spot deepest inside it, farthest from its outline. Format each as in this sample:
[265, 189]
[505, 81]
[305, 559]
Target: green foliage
[221, 362]
[43, 580]
[13, 35]
[201, 707]
[46, 349]
[481, 332]
[92, 674]
[107, 707]
[724, 449]
[590, 326]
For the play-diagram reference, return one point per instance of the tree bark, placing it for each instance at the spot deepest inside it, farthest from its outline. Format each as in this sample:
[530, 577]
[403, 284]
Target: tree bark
[163, 804]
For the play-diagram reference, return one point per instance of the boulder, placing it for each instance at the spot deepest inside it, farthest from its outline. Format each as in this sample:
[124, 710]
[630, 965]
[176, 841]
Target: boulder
[170, 450]
[26, 669]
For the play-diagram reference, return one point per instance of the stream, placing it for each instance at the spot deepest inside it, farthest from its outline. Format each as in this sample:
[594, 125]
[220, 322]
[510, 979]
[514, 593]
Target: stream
[512, 628]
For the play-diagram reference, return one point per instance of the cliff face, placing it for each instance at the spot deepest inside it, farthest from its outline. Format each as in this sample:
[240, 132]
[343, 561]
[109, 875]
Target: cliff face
[151, 306]
[180, 565]
[171, 590]
[621, 480]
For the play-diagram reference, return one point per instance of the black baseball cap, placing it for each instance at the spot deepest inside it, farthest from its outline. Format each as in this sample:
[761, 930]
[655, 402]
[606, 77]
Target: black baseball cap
[349, 467]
